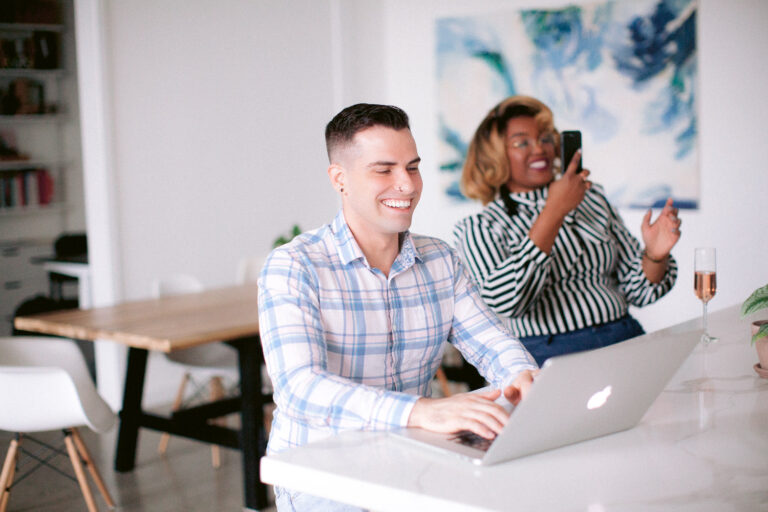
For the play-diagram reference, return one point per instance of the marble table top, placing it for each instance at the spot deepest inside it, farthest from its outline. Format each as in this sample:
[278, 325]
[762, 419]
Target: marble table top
[703, 445]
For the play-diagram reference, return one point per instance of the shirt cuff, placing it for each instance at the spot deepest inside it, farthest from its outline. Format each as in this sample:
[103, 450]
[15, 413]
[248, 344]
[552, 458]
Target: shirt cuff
[530, 249]
[393, 410]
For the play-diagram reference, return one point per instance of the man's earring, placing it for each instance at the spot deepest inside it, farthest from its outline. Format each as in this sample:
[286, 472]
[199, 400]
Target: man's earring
[341, 189]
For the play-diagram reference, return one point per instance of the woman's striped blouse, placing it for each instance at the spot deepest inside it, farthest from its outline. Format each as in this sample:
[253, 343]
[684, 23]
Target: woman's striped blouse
[592, 274]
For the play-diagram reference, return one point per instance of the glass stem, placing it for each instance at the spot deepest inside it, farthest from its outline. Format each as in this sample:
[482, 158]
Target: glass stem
[704, 316]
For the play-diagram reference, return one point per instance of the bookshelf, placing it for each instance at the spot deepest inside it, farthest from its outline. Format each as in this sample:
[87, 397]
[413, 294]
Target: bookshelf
[31, 170]
[40, 169]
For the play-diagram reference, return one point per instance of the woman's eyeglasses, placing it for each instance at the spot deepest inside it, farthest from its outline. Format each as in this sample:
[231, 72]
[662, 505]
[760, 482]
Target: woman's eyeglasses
[546, 140]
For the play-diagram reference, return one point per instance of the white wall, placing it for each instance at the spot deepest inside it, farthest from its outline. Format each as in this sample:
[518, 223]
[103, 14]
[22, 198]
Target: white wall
[219, 110]
[218, 115]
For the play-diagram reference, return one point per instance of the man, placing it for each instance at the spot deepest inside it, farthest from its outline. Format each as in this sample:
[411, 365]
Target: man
[353, 316]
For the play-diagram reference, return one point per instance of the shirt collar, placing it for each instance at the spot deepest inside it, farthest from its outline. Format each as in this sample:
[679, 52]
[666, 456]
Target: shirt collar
[536, 199]
[349, 250]
[532, 198]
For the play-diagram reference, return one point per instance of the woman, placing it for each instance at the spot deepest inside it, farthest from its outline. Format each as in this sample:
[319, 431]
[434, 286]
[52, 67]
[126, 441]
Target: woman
[551, 255]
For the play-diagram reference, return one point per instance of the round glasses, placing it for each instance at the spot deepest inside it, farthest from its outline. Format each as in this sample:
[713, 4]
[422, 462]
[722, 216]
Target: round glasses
[545, 140]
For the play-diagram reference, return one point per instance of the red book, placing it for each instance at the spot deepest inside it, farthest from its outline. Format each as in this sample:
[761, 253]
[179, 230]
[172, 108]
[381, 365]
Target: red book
[44, 186]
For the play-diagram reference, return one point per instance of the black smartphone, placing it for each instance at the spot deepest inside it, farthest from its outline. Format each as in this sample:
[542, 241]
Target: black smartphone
[570, 142]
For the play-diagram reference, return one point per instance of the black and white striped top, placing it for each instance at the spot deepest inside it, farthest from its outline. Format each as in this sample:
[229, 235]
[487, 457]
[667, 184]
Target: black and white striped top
[593, 272]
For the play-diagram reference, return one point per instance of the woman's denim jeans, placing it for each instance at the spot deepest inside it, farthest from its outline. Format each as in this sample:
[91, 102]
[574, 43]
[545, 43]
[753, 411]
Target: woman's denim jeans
[544, 347]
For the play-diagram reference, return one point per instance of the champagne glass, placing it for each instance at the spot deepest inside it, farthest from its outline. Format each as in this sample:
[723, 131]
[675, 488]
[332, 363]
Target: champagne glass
[705, 282]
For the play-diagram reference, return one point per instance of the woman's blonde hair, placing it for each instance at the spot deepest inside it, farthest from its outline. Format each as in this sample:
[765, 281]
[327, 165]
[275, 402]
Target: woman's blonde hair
[487, 166]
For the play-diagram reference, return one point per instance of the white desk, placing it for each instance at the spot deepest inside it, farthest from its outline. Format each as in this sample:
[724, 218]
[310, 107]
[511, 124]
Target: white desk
[702, 446]
[82, 271]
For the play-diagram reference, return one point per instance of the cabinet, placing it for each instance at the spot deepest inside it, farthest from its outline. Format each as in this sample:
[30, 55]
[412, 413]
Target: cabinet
[22, 276]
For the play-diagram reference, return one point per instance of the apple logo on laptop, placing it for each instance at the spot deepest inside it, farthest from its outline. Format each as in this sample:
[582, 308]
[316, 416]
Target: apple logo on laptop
[598, 399]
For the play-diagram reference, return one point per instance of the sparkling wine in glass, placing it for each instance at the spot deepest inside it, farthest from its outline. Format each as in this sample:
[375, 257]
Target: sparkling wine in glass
[705, 282]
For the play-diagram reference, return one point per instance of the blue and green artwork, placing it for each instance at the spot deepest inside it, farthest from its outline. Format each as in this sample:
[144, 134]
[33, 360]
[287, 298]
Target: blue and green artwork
[623, 72]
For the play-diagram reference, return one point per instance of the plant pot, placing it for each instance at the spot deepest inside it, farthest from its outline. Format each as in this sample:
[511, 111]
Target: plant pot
[762, 350]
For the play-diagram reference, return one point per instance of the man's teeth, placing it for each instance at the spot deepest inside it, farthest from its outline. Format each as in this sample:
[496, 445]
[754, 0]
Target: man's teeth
[397, 204]
[541, 164]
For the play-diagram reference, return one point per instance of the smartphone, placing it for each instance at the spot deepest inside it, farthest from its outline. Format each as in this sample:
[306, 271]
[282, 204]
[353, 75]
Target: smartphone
[570, 142]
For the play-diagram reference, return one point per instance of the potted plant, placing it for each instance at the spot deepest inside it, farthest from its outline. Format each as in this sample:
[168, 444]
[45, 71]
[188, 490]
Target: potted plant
[755, 302]
[282, 239]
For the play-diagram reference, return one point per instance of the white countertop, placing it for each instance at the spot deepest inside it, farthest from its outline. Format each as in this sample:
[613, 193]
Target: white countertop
[703, 445]
[82, 271]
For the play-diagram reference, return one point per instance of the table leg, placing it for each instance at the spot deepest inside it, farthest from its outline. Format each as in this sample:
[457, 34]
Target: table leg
[252, 435]
[128, 434]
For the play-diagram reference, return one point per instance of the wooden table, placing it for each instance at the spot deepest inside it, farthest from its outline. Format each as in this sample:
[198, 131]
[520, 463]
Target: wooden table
[702, 446]
[172, 323]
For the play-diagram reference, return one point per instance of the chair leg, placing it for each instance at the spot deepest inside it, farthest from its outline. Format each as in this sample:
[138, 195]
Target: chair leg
[9, 469]
[77, 464]
[6, 496]
[217, 392]
[443, 381]
[165, 438]
[269, 411]
[83, 450]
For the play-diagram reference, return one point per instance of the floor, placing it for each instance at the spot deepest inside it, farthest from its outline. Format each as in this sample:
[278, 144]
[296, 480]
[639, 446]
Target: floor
[181, 480]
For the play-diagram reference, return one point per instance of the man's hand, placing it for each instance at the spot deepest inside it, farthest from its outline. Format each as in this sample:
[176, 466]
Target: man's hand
[467, 411]
[477, 412]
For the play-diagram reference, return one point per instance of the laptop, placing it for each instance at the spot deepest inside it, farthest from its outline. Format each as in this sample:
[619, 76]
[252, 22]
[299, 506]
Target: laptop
[576, 397]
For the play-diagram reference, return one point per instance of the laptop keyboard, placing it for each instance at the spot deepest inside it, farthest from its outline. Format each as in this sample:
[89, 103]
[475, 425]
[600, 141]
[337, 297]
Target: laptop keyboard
[472, 440]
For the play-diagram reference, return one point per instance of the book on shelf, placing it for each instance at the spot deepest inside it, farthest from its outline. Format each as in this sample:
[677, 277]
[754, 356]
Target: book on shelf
[44, 187]
[28, 188]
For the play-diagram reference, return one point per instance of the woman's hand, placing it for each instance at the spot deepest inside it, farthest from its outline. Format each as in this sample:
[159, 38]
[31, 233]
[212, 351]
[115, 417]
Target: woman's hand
[661, 235]
[520, 386]
[564, 195]
[568, 192]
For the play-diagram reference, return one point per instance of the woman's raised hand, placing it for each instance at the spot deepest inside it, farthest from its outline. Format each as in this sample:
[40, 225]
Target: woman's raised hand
[661, 235]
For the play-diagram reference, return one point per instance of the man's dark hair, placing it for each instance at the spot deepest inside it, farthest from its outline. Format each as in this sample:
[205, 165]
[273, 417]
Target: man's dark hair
[343, 127]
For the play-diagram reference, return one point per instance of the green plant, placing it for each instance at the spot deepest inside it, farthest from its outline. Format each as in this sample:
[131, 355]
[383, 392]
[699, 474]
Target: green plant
[282, 240]
[755, 302]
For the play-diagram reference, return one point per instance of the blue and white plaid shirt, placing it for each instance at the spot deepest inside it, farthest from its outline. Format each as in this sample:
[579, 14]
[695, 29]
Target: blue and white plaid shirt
[349, 348]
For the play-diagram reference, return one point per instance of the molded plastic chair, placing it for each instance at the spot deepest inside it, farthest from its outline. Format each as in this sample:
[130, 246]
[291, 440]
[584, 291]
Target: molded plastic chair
[206, 363]
[45, 385]
[248, 269]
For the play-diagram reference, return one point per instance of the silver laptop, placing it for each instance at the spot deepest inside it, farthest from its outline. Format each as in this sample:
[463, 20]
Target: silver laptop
[577, 397]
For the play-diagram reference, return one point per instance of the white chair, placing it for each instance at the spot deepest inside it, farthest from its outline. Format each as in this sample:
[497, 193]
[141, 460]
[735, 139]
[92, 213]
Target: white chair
[207, 364]
[248, 269]
[45, 385]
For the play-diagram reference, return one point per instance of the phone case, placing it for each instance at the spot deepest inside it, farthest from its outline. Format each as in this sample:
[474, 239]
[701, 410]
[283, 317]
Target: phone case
[570, 142]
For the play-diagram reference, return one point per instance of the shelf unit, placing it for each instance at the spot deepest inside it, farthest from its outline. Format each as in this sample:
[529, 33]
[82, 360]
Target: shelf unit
[45, 135]
[33, 131]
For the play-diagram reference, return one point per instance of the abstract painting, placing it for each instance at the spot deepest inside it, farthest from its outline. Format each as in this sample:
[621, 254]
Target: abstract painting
[623, 72]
